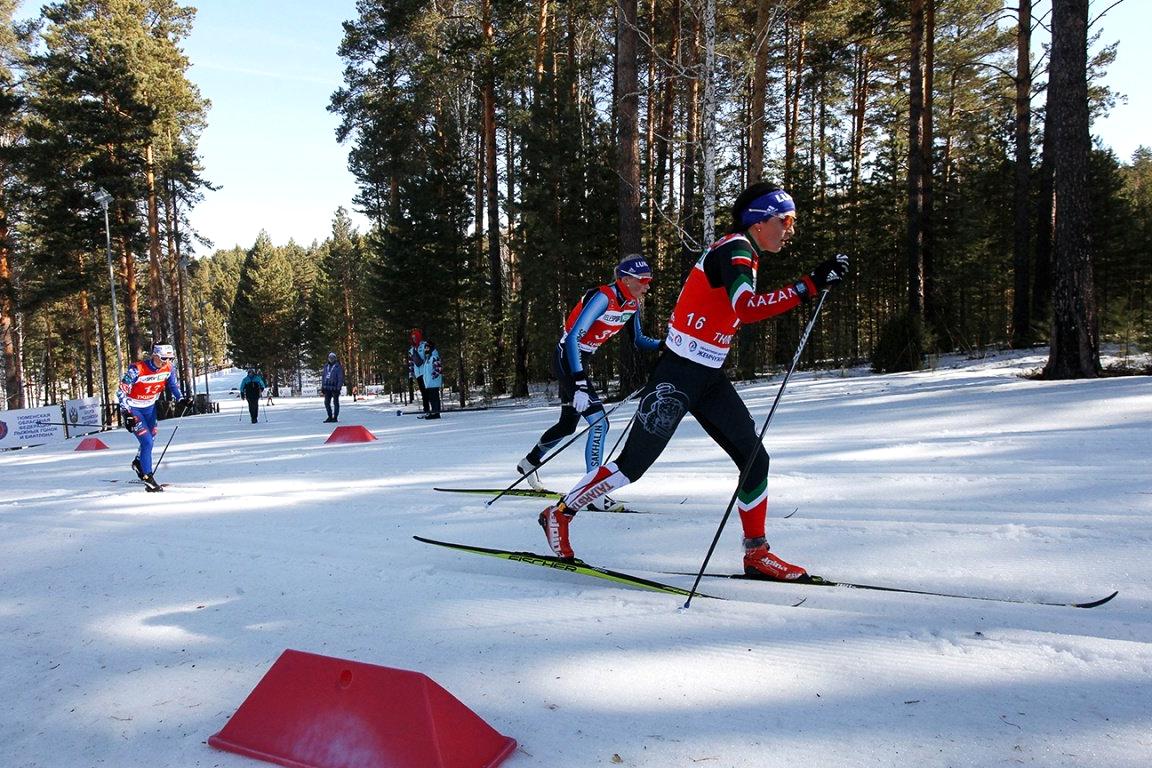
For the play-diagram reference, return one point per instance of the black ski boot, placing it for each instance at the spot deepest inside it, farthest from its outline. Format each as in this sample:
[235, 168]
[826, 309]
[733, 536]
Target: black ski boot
[137, 468]
[150, 484]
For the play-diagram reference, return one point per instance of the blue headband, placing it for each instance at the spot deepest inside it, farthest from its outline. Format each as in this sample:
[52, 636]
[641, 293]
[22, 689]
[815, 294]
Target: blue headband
[774, 203]
[634, 266]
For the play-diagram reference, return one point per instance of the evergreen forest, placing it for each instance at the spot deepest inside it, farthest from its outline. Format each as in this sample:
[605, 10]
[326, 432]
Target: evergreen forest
[508, 153]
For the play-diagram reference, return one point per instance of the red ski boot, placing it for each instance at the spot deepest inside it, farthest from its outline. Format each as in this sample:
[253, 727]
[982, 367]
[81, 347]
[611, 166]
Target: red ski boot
[554, 521]
[761, 564]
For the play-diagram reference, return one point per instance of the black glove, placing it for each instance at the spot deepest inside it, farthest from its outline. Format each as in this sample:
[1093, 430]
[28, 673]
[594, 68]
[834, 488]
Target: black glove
[584, 398]
[185, 404]
[830, 272]
[129, 421]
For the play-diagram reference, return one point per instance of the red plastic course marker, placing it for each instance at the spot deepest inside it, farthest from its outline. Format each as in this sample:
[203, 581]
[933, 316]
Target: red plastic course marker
[312, 711]
[356, 434]
[91, 444]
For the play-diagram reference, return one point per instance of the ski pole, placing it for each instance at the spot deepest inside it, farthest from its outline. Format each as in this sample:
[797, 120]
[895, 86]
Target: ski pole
[751, 459]
[557, 452]
[156, 466]
[65, 424]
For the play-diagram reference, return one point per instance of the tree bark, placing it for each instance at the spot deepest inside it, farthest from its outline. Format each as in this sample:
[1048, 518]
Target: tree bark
[627, 128]
[131, 292]
[628, 161]
[155, 279]
[495, 263]
[9, 333]
[1022, 193]
[914, 242]
[1075, 346]
[690, 252]
[708, 149]
[759, 87]
[927, 139]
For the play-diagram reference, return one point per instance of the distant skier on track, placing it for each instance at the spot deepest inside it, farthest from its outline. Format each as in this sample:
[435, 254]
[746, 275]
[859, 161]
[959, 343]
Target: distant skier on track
[599, 315]
[140, 387]
[719, 295]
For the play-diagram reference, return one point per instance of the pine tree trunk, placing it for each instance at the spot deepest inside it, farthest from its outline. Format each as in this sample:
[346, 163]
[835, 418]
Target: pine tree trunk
[793, 78]
[131, 292]
[9, 335]
[1021, 200]
[1045, 222]
[915, 182]
[627, 88]
[927, 138]
[662, 139]
[690, 251]
[495, 263]
[179, 282]
[156, 301]
[759, 87]
[708, 149]
[627, 129]
[1075, 348]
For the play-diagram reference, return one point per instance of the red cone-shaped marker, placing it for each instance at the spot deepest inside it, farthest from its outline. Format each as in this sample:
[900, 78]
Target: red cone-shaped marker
[314, 711]
[356, 434]
[91, 444]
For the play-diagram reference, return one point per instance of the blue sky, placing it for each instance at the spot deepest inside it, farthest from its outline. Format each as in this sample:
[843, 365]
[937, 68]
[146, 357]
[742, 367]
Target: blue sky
[270, 66]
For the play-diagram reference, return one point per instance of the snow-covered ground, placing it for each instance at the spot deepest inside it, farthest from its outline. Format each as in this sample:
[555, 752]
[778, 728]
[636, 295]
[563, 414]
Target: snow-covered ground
[133, 625]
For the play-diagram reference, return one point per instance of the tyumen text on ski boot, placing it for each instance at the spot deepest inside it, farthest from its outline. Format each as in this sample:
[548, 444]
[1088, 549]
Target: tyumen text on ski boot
[554, 521]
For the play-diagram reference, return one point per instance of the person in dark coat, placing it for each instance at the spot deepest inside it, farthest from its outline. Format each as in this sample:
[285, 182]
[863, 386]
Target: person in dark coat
[331, 382]
[251, 387]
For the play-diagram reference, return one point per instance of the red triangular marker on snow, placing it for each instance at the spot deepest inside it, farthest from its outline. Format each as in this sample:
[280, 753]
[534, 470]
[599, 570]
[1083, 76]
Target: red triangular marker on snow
[312, 711]
[356, 434]
[91, 444]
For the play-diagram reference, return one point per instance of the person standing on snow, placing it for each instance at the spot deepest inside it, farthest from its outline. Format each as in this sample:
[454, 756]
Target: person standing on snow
[599, 315]
[250, 389]
[417, 351]
[719, 295]
[331, 382]
[139, 389]
[433, 379]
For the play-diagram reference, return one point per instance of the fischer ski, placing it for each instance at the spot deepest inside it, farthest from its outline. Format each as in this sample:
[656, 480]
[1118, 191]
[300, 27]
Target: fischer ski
[819, 581]
[514, 492]
[534, 494]
[569, 566]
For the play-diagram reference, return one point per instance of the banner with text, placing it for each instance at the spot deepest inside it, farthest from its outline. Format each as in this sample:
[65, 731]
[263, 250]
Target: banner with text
[82, 415]
[30, 426]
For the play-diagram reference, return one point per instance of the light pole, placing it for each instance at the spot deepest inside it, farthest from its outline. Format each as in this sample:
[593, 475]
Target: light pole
[102, 197]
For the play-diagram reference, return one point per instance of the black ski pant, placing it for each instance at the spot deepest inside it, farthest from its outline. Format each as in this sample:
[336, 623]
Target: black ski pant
[424, 404]
[332, 403]
[677, 387]
[254, 408]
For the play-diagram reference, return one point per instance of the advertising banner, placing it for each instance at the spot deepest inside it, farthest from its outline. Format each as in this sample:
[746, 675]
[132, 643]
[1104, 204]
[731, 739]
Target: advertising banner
[81, 414]
[30, 426]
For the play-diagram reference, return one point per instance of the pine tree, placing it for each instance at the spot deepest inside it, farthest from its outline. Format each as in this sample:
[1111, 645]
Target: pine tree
[261, 324]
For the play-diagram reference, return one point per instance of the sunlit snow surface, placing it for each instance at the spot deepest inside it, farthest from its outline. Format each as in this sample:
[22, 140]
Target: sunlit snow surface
[132, 625]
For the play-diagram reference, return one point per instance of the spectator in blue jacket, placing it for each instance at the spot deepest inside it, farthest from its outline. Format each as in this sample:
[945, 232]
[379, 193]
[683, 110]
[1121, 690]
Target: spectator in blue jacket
[433, 378]
[331, 382]
[250, 389]
[417, 349]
